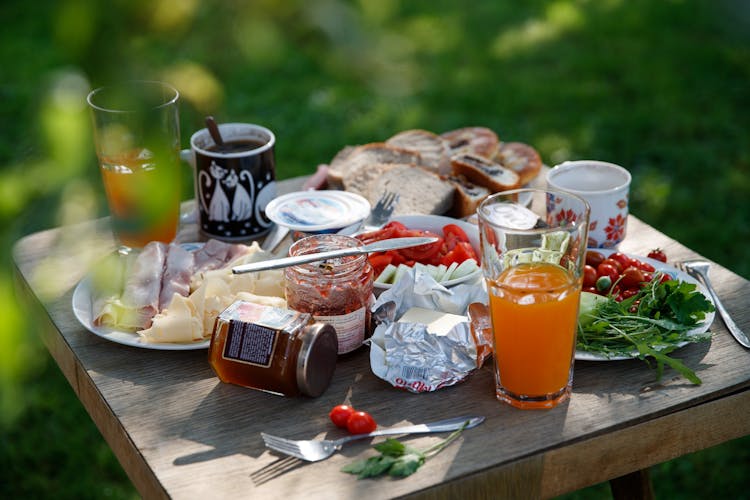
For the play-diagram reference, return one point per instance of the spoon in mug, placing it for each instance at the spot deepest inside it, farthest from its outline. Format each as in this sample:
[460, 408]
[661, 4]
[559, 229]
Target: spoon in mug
[213, 129]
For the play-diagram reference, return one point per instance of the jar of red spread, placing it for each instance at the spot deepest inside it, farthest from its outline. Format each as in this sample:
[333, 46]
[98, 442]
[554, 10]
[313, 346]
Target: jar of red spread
[336, 291]
[275, 350]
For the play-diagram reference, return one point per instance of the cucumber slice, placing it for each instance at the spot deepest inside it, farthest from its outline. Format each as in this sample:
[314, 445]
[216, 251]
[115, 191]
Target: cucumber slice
[387, 275]
[465, 268]
[449, 271]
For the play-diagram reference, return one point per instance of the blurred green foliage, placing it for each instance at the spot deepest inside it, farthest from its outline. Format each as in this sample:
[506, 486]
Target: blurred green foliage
[660, 87]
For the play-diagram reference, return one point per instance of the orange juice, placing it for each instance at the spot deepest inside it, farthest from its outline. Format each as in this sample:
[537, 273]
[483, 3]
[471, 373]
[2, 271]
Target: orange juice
[534, 310]
[143, 197]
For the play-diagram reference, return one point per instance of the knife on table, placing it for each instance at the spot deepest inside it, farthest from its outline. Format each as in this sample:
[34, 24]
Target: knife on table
[377, 246]
[278, 233]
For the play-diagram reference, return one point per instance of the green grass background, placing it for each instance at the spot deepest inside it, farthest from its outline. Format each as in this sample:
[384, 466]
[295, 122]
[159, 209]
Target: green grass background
[660, 87]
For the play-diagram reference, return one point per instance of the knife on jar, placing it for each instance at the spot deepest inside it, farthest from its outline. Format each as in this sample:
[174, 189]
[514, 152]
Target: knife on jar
[377, 246]
[278, 233]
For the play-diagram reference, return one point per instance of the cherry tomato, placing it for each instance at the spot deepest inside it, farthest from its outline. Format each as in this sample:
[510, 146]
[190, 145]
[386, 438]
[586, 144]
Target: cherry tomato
[340, 415]
[623, 259]
[626, 294]
[605, 269]
[657, 254]
[664, 278]
[644, 266]
[590, 289]
[361, 422]
[594, 258]
[613, 263]
[631, 278]
[589, 276]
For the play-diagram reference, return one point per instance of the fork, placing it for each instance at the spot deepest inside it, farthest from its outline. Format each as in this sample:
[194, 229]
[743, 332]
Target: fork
[698, 269]
[314, 450]
[383, 209]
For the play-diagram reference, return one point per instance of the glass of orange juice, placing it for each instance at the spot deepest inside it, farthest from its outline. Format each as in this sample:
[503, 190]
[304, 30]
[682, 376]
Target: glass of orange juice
[137, 139]
[533, 255]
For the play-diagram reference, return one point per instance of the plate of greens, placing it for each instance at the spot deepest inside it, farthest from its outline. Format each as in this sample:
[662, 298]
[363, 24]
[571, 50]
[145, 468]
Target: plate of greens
[662, 316]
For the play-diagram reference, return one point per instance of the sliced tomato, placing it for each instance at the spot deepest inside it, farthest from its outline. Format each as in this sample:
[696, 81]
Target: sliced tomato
[423, 253]
[393, 229]
[379, 261]
[450, 230]
[461, 252]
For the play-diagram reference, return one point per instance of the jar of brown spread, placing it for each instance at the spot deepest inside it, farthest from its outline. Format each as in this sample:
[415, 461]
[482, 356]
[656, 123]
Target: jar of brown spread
[274, 350]
[336, 291]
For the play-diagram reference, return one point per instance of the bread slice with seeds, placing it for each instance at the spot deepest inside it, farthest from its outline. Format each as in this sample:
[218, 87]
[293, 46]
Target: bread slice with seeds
[484, 172]
[349, 159]
[420, 191]
[432, 148]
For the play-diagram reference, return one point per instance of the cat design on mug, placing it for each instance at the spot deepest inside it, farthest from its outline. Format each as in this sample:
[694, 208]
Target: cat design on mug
[242, 203]
[218, 209]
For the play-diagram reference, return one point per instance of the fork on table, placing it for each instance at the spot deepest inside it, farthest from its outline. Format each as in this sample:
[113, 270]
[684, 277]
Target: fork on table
[314, 450]
[698, 269]
[379, 215]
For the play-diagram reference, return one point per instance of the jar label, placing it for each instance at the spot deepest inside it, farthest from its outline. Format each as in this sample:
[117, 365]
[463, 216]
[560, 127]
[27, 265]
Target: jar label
[250, 343]
[350, 328]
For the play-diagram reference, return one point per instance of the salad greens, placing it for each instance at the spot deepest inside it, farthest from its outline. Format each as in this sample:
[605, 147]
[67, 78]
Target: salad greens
[397, 459]
[652, 323]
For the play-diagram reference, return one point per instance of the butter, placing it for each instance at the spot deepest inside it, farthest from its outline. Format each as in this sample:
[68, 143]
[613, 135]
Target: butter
[437, 322]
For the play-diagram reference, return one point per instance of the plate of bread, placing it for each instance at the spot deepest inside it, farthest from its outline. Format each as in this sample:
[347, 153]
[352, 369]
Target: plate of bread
[440, 174]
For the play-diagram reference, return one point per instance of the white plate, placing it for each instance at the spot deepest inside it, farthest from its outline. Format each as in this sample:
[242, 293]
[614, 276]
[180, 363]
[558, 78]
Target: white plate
[82, 312]
[435, 224]
[702, 327]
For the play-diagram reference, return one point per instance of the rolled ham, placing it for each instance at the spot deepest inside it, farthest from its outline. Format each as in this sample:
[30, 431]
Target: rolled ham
[178, 269]
[140, 297]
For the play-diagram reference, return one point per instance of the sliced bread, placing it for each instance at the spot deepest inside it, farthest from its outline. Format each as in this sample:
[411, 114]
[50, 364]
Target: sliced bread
[432, 148]
[349, 160]
[484, 172]
[420, 191]
[521, 158]
[467, 196]
[480, 141]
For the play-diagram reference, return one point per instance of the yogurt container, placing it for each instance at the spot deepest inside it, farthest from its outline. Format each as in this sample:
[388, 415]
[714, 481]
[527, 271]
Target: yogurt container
[307, 213]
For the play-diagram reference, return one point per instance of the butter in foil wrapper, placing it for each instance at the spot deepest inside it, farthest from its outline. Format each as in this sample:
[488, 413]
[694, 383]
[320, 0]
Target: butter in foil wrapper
[426, 350]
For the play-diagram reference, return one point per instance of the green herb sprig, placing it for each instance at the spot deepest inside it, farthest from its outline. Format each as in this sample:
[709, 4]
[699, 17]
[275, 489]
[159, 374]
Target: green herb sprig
[653, 322]
[397, 459]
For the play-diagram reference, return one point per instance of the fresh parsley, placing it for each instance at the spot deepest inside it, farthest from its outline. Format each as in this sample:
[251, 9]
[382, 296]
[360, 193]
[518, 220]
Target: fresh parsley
[653, 322]
[396, 458]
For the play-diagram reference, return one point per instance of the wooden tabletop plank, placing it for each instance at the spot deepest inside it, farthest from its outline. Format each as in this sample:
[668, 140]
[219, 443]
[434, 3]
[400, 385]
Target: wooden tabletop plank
[181, 433]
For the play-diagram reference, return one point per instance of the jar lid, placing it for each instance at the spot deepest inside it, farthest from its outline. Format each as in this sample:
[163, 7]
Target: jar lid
[313, 211]
[317, 358]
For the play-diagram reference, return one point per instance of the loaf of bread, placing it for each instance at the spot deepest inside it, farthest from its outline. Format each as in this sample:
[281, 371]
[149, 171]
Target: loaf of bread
[467, 196]
[420, 190]
[521, 158]
[473, 140]
[485, 172]
[433, 150]
[350, 159]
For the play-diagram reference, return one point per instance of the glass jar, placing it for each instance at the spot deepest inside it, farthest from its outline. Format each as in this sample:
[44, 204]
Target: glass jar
[336, 291]
[274, 350]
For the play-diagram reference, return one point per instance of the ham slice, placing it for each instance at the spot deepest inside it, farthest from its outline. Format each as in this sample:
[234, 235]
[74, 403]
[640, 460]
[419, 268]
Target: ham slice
[178, 269]
[215, 254]
[140, 297]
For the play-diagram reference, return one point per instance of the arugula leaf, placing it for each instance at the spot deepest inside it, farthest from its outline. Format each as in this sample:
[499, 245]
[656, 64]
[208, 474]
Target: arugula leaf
[397, 459]
[653, 322]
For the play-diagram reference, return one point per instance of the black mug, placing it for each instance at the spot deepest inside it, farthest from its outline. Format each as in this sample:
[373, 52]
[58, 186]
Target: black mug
[235, 181]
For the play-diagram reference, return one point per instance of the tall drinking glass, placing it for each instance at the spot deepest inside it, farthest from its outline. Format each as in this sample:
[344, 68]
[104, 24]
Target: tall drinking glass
[532, 259]
[137, 138]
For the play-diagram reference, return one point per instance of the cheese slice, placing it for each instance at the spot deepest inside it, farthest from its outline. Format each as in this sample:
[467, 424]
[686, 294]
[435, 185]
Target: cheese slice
[438, 322]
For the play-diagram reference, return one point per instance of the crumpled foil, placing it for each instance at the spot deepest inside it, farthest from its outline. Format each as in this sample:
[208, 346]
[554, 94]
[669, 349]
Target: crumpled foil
[408, 356]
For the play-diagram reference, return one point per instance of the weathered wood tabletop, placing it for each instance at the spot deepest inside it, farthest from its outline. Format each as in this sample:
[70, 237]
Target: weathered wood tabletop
[179, 432]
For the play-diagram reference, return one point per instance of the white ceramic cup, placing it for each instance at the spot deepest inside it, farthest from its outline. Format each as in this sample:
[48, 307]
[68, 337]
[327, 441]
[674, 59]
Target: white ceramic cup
[605, 186]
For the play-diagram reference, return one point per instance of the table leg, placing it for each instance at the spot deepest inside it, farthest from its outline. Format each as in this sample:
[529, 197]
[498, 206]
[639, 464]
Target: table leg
[633, 486]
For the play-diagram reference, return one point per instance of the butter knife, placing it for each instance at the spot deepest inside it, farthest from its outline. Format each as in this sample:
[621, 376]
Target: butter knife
[378, 246]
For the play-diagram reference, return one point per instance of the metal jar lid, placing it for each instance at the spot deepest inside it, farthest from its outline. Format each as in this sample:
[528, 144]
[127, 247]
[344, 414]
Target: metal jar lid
[316, 360]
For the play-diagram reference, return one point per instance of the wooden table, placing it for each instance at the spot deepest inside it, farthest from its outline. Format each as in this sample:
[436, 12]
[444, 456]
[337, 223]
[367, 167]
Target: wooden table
[179, 432]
